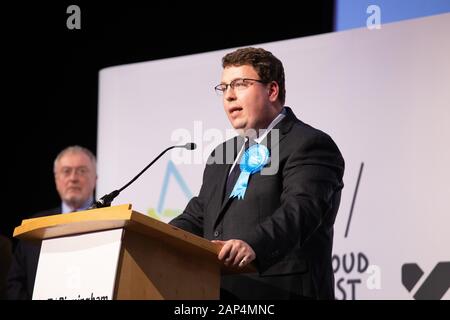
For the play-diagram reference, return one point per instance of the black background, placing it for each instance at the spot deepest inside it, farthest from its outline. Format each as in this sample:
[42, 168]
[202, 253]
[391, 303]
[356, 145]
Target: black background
[51, 73]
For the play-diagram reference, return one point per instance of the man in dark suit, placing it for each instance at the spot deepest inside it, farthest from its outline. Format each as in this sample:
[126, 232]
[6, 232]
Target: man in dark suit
[75, 178]
[274, 204]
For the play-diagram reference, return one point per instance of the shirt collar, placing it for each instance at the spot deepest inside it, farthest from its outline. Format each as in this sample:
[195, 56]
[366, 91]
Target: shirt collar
[271, 125]
[66, 208]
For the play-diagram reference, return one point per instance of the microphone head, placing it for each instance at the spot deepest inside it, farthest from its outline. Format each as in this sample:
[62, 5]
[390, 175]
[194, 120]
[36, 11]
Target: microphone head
[190, 146]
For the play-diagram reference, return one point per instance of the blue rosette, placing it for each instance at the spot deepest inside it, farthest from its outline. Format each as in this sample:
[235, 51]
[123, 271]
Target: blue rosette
[253, 160]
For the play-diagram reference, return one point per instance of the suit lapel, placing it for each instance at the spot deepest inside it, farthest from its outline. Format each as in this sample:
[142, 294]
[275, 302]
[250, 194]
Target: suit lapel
[233, 146]
[283, 127]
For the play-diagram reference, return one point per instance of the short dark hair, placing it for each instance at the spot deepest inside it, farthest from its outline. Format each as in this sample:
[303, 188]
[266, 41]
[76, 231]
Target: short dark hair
[268, 67]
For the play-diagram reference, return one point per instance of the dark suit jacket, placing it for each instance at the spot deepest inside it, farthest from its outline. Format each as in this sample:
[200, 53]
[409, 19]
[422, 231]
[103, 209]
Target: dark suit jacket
[287, 218]
[22, 273]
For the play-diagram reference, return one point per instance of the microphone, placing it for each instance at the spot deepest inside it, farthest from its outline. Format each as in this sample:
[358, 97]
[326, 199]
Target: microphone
[106, 200]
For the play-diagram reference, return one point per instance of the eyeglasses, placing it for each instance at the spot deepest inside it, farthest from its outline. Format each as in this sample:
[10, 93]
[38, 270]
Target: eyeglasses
[79, 171]
[238, 84]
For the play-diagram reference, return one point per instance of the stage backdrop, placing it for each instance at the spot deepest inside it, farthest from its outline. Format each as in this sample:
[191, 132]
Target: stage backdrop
[383, 95]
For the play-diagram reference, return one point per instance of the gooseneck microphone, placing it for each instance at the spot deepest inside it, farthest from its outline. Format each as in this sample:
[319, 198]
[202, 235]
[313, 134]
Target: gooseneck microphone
[106, 200]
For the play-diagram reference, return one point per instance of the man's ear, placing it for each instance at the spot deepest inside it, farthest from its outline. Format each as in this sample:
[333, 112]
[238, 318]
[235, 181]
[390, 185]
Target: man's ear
[274, 90]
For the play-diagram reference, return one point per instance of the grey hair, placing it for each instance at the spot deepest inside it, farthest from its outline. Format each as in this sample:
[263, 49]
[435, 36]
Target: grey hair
[75, 149]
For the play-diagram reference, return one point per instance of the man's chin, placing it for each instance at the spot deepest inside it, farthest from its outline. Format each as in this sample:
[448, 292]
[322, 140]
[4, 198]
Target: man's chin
[239, 127]
[74, 200]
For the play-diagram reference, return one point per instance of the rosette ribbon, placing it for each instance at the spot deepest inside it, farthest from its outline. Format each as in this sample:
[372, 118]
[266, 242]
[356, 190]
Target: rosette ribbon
[253, 160]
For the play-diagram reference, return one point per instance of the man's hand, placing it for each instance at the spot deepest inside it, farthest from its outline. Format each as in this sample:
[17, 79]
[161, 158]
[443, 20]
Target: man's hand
[235, 252]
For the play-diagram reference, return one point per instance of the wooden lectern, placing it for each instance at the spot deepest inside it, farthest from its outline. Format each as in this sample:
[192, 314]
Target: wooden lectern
[139, 257]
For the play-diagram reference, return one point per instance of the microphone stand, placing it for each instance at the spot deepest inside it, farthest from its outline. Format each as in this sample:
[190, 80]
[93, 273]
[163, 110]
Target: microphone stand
[106, 200]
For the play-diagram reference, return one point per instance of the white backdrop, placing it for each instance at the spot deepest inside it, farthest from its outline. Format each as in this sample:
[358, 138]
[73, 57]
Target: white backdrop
[384, 97]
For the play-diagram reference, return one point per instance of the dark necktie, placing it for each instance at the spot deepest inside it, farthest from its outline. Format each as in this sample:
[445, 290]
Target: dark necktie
[234, 174]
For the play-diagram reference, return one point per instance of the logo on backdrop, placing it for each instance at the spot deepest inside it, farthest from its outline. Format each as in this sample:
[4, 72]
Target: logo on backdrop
[433, 287]
[353, 269]
[166, 214]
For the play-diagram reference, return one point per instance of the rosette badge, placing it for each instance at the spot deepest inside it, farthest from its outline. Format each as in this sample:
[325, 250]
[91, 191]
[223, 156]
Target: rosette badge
[253, 160]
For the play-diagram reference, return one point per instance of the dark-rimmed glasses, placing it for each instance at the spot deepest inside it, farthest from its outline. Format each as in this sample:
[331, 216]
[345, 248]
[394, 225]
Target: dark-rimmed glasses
[237, 85]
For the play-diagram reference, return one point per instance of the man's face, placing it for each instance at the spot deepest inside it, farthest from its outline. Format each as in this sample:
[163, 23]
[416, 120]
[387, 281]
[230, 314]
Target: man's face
[75, 178]
[248, 107]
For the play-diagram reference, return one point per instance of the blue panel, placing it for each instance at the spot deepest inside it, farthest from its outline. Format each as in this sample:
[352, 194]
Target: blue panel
[351, 14]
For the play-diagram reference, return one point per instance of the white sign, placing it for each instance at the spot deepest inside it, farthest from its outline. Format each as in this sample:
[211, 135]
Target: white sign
[81, 267]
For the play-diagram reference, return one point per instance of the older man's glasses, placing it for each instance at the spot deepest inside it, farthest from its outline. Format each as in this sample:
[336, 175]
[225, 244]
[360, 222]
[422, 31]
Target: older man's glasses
[79, 171]
[238, 84]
